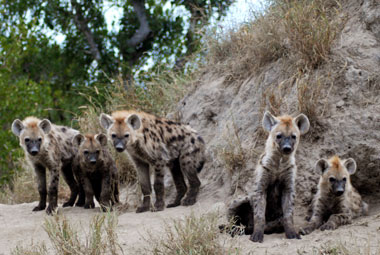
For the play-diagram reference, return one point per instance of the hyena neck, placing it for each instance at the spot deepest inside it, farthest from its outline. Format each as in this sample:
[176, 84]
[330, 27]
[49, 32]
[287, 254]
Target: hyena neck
[139, 151]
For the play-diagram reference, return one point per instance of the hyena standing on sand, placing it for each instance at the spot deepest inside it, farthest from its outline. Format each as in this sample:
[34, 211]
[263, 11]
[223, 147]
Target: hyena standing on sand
[49, 146]
[95, 169]
[158, 143]
[274, 190]
[336, 203]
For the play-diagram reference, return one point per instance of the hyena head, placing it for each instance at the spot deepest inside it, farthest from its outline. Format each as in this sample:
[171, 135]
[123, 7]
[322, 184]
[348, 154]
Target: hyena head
[285, 131]
[90, 147]
[121, 128]
[32, 133]
[335, 174]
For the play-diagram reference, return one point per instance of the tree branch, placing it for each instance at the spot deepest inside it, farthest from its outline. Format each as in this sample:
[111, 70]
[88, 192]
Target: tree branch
[81, 24]
[144, 30]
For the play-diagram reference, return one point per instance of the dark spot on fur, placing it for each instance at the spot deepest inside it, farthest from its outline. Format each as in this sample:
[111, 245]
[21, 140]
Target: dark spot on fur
[192, 140]
[196, 150]
[181, 137]
[169, 129]
[170, 122]
[201, 139]
[63, 129]
[144, 138]
[145, 130]
[158, 121]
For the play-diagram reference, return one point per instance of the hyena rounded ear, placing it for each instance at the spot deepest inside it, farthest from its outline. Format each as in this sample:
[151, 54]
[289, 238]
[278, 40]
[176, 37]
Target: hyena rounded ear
[102, 139]
[78, 140]
[45, 125]
[350, 164]
[302, 123]
[17, 127]
[321, 166]
[105, 120]
[269, 121]
[134, 121]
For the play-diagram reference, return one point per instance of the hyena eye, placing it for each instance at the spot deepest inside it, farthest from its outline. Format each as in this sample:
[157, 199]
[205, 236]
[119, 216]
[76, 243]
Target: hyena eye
[40, 139]
[97, 151]
[126, 135]
[113, 136]
[294, 137]
[85, 152]
[344, 179]
[332, 179]
[279, 136]
[27, 140]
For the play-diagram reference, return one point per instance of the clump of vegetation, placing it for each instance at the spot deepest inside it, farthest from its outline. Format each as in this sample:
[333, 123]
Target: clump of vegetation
[198, 235]
[101, 237]
[301, 31]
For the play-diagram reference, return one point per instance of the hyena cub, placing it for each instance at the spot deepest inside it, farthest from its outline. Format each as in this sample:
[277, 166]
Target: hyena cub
[337, 202]
[158, 143]
[95, 169]
[274, 191]
[48, 146]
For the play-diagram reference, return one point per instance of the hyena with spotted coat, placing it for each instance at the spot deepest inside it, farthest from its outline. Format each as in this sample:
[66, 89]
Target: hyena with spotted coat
[336, 202]
[95, 169]
[49, 146]
[158, 143]
[274, 188]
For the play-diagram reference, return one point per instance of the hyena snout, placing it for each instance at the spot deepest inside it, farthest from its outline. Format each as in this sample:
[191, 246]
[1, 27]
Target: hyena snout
[339, 188]
[33, 146]
[287, 145]
[119, 143]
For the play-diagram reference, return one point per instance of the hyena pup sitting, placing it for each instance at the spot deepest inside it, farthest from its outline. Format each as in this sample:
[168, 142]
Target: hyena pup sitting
[336, 202]
[95, 169]
[158, 143]
[274, 188]
[48, 146]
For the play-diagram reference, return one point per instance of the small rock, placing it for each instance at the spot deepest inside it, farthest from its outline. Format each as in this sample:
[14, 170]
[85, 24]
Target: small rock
[340, 104]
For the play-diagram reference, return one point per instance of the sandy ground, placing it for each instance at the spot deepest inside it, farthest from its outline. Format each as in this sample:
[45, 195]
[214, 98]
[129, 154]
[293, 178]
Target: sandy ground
[21, 226]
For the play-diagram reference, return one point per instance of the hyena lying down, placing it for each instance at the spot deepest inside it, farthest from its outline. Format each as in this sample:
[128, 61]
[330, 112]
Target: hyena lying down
[158, 143]
[95, 169]
[337, 202]
[48, 146]
[270, 208]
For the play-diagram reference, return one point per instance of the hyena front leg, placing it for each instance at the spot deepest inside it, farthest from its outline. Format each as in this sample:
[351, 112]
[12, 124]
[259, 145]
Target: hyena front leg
[68, 175]
[259, 205]
[106, 193]
[146, 189]
[337, 220]
[287, 202]
[315, 222]
[159, 188]
[53, 189]
[89, 193]
[179, 183]
[41, 182]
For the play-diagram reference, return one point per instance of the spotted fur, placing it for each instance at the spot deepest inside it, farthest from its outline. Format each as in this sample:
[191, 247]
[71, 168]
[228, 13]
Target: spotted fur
[48, 146]
[95, 169]
[158, 143]
[274, 191]
[336, 202]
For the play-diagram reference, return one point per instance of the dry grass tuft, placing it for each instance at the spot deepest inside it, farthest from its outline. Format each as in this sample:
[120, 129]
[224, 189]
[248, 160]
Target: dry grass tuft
[193, 235]
[302, 31]
[101, 237]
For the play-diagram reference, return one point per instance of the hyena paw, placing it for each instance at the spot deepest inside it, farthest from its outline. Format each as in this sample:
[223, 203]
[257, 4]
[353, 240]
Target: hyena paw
[68, 203]
[188, 201]
[39, 208]
[174, 204]
[328, 226]
[89, 205]
[50, 210]
[292, 235]
[142, 208]
[257, 236]
[158, 206]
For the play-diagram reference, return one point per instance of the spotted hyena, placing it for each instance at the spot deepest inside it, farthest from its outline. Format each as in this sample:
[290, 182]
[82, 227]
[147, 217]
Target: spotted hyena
[274, 191]
[337, 202]
[95, 169]
[48, 146]
[158, 143]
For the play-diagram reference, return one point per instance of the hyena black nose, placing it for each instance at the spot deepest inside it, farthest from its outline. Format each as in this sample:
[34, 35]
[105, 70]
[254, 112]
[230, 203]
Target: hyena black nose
[339, 192]
[34, 152]
[93, 161]
[287, 149]
[119, 149]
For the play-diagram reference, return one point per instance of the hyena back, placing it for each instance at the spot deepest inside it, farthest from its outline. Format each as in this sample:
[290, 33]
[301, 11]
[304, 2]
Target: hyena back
[48, 146]
[95, 169]
[158, 143]
[336, 202]
[274, 188]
